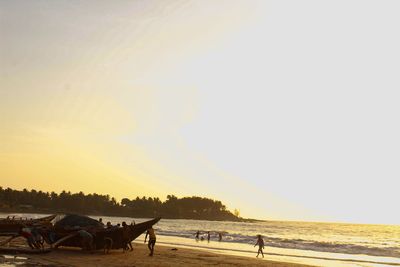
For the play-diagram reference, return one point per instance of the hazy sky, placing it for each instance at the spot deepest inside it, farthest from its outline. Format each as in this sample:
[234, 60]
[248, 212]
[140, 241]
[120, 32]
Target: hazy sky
[282, 109]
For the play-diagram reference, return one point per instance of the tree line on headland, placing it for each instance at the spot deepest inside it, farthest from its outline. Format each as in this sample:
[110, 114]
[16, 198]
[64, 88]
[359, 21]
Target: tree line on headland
[95, 204]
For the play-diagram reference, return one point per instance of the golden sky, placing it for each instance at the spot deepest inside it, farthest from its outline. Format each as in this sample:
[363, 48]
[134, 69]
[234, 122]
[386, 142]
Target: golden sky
[282, 109]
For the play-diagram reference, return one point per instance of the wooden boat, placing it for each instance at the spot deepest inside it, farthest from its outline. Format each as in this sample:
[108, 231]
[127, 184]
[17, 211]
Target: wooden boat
[10, 227]
[27, 221]
[46, 219]
[67, 234]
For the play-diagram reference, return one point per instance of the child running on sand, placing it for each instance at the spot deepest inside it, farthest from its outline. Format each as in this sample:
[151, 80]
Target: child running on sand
[152, 240]
[260, 243]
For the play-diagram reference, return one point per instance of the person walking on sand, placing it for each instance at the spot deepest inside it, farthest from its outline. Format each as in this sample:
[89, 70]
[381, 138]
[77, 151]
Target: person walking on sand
[152, 240]
[208, 236]
[260, 243]
[126, 237]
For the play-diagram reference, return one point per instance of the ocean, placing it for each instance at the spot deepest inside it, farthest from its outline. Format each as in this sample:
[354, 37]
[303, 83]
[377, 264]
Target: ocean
[320, 244]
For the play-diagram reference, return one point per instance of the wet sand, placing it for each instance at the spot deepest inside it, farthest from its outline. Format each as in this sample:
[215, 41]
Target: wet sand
[163, 256]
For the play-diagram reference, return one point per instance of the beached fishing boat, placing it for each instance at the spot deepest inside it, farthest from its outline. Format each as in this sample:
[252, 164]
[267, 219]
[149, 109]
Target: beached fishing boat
[12, 226]
[27, 221]
[65, 232]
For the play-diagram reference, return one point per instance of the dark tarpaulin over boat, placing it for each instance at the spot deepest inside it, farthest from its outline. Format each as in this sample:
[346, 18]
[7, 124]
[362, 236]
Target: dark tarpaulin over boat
[73, 220]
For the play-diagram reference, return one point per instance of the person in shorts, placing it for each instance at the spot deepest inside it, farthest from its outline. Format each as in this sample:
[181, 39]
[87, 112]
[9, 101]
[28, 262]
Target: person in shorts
[152, 240]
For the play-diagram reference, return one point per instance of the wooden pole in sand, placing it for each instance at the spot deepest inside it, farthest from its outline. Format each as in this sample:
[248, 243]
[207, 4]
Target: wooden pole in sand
[56, 244]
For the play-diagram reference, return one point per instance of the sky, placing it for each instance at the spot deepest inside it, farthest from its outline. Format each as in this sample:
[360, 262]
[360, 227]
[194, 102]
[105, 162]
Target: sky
[284, 110]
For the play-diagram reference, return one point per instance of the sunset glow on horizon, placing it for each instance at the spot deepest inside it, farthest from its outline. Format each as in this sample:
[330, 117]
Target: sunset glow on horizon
[285, 110]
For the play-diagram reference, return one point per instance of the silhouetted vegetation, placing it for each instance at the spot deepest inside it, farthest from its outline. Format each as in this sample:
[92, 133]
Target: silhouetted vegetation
[95, 204]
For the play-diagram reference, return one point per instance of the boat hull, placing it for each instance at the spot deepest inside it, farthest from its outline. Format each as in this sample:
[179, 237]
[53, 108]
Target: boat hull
[101, 236]
[13, 226]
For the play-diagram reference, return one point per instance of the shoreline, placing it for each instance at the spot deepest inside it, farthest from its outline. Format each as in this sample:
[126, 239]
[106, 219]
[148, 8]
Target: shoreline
[164, 256]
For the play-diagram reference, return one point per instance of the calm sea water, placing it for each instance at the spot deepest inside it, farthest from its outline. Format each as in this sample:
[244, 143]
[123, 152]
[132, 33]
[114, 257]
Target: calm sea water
[322, 244]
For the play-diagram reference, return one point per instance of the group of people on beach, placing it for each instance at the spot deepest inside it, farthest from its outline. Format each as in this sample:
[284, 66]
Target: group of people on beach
[208, 236]
[126, 235]
[260, 240]
[35, 239]
[35, 236]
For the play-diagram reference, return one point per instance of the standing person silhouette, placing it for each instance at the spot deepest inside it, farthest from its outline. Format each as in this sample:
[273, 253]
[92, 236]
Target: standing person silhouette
[152, 240]
[126, 237]
[260, 243]
[208, 236]
[197, 234]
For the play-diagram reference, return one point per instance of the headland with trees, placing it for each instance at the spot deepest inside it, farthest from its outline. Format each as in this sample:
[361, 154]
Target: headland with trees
[194, 207]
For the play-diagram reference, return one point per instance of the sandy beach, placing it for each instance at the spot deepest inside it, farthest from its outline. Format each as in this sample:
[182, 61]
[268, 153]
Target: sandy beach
[164, 256]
